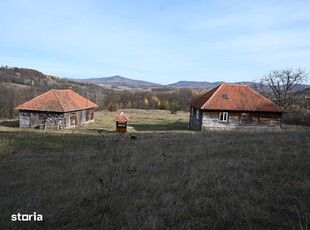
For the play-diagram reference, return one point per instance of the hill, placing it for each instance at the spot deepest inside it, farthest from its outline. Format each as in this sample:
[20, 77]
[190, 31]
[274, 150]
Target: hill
[122, 83]
[42, 82]
[118, 81]
[195, 84]
[18, 85]
[30, 77]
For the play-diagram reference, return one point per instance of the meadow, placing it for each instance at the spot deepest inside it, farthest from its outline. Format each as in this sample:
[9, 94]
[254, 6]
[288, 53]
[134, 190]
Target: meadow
[169, 178]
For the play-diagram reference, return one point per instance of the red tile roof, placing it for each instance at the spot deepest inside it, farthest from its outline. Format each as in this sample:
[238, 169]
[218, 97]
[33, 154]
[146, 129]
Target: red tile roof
[121, 117]
[239, 98]
[57, 101]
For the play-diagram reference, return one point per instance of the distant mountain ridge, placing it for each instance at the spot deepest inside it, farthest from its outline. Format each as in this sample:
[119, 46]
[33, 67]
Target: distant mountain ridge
[114, 82]
[120, 81]
[195, 84]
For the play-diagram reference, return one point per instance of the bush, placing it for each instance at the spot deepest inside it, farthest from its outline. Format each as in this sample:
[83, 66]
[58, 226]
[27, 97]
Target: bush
[112, 107]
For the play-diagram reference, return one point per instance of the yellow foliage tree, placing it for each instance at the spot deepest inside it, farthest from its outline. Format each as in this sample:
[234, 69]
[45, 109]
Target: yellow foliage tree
[146, 102]
[129, 104]
[154, 101]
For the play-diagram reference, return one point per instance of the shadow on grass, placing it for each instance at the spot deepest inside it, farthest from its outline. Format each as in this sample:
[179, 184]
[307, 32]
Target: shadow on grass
[10, 124]
[161, 127]
[100, 131]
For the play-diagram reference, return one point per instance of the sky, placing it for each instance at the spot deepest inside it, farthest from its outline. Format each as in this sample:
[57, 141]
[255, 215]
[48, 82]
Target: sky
[161, 41]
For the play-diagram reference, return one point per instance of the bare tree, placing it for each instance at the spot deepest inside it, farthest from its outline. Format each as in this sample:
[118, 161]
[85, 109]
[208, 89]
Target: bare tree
[13, 98]
[283, 86]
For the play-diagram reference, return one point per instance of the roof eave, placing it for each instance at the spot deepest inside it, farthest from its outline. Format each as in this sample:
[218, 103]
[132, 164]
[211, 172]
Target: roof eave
[54, 111]
[241, 110]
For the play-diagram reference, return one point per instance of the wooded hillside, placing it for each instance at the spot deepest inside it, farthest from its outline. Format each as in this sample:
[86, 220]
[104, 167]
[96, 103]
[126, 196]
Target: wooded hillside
[18, 85]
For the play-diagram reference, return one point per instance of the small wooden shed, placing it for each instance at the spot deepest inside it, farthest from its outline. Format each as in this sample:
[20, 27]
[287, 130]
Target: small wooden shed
[121, 123]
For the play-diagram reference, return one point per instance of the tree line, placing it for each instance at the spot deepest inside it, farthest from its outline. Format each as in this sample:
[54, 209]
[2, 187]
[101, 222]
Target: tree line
[168, 99]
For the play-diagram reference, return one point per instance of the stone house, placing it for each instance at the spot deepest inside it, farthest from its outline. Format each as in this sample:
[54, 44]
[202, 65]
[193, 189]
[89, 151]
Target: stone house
[56, 109]
[231, 106]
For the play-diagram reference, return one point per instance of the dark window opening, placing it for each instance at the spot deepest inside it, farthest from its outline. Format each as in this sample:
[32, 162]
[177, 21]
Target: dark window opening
[225, 96]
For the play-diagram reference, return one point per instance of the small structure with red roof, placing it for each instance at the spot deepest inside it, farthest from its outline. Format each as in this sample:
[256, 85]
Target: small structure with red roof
[121, 123]
[56, 109]
[233, 105]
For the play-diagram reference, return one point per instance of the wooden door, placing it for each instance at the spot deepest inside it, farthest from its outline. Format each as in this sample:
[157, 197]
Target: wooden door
[34, 120]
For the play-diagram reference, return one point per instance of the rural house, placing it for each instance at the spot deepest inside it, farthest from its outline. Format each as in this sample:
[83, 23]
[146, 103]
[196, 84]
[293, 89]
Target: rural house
[56, 109]
[232, 105]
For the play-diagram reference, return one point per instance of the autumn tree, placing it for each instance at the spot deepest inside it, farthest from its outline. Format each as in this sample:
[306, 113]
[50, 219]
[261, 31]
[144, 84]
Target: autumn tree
[282, 86]
[112, 107]
[164, 104]
[155, 102]
[174, 107]
[146, 102]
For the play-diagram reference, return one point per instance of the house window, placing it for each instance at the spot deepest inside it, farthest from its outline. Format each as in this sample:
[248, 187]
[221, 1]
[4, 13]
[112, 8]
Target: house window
[223, 117]
[192, 111]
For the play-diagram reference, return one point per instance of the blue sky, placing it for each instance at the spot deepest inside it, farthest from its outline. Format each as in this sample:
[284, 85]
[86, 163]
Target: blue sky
[162, 41]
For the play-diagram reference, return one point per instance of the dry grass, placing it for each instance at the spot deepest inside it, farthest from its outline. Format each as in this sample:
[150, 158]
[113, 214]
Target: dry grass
[143, 120]
[175, 180]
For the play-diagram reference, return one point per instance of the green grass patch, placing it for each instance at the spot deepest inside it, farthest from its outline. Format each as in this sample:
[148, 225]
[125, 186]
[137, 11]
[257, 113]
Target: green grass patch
[42, 142]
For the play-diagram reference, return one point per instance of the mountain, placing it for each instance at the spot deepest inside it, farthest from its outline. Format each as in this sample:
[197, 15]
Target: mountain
[195, 84]
[204, 84]
[118, 81]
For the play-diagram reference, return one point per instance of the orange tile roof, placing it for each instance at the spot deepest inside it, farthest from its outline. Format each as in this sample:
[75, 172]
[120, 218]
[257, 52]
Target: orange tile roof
[57, 101]
[239, 98]
[121, 117]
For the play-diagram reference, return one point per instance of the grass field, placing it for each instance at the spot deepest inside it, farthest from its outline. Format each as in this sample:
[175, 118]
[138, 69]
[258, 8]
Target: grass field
[143, 120]
[168, 178]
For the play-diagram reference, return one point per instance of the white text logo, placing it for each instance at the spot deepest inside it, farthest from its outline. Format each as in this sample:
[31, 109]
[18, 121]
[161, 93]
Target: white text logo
[27, 217]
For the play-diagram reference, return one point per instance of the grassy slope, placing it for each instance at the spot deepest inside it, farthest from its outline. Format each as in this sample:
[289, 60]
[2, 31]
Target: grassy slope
[231, 179]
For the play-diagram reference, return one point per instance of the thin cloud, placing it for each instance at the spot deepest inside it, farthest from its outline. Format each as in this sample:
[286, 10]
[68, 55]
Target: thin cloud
[198, 40]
